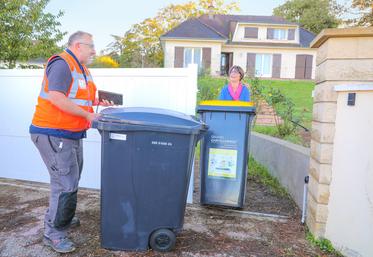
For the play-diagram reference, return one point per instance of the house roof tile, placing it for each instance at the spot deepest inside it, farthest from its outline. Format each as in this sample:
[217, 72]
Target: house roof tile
[193, 28]
[306, 37]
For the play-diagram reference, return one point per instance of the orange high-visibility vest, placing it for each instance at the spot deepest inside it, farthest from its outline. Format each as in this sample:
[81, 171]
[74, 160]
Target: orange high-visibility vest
[81, 93]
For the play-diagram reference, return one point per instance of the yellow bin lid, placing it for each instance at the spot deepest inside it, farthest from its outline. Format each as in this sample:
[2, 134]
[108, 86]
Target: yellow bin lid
[226, 103]
[227, 106]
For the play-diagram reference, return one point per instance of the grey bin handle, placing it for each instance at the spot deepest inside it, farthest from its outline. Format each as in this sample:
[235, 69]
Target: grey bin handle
[114, 119]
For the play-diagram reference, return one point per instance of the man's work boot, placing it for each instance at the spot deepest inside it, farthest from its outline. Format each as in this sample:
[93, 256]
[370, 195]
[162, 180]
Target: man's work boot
[62, 245]
[75, 222]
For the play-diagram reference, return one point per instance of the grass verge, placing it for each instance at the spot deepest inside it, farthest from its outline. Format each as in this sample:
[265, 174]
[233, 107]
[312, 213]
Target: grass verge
[324, 244]
[261, 174]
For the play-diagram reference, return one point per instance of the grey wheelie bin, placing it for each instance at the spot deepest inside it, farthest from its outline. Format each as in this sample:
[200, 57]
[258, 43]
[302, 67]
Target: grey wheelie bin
[146, 159]
[224, 152]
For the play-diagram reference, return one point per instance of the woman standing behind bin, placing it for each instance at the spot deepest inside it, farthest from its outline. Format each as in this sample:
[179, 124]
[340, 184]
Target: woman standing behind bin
[235, 90]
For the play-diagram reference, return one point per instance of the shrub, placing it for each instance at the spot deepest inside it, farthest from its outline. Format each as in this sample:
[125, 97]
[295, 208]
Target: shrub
[282, 105]
[104, 62]
[209, 88]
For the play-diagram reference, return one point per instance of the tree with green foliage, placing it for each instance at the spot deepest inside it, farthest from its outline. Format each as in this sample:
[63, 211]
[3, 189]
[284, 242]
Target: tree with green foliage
[140, 45]
[27, 32]
[366, 12]
[313, 15]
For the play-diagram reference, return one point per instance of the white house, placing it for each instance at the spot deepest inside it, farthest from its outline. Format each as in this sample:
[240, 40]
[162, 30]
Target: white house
[264, 46]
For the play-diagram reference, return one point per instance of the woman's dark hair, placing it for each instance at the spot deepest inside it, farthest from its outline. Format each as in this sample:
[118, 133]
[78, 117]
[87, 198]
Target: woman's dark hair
[237, 69]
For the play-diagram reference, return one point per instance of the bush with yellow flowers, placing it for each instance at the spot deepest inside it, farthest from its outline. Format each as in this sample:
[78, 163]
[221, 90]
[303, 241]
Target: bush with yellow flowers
[104, 61]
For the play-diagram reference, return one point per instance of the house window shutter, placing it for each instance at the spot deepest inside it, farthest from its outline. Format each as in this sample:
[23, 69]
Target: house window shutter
[300, 66]
[251, 32]
[206, 58]
[303, 66]
[276, 66]
[308, 73]
[269, 33]
[179, 57]
[250, 67]
[291, 34]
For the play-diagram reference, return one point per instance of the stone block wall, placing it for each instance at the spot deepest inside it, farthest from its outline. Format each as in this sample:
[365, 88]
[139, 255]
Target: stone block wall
[344, 57]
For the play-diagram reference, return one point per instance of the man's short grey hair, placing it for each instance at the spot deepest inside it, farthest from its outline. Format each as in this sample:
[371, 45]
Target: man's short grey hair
[77, 36]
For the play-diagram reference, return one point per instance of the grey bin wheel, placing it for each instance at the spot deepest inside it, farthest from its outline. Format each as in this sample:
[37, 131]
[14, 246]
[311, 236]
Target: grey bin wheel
[162, 240]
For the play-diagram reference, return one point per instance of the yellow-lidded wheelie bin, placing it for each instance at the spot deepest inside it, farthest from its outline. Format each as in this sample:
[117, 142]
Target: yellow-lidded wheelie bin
[224, 151]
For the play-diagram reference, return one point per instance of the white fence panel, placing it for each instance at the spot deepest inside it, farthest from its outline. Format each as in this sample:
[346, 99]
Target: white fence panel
[169, 88]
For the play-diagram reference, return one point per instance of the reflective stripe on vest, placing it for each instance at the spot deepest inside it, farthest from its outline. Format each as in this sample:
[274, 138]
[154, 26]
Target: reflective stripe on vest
[81, 102]
[73, 91]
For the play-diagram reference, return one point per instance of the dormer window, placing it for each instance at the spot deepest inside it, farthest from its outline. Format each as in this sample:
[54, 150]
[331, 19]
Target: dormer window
[251, 32]
[280, 34]
[277, 34]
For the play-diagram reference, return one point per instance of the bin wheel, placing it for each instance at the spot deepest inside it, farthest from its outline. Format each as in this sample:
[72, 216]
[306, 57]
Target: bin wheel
[162, 240]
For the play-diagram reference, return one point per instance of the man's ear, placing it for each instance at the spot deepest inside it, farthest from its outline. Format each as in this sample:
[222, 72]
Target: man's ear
[77, 45]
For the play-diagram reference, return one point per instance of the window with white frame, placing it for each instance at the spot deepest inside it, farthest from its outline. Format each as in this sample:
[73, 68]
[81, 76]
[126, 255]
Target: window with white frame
[263, 65]
[193, 55]
[280, 34]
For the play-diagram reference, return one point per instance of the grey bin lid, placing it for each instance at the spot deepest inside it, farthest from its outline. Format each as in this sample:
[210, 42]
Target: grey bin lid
[148, 119]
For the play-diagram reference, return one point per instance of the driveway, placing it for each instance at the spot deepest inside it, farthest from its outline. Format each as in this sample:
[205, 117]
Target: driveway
[268, 226]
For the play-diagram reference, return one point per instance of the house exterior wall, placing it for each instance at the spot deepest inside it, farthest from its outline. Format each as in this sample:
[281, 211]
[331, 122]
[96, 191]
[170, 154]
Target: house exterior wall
[294, 62]
[169, 52]
[288, 62]
[239, 36]
[288, 57]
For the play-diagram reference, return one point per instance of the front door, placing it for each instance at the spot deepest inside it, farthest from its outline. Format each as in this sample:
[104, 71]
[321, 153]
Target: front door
[226, 61]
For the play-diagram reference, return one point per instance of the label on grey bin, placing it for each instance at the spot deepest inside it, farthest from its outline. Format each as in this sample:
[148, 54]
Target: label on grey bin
[162, 143]
[116, 136]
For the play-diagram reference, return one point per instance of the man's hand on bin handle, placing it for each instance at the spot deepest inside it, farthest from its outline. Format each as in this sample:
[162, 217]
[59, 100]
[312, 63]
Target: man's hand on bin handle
[92, 116]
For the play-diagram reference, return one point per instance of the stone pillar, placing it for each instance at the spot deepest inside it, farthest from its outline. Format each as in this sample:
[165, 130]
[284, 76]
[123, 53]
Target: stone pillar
[344, 56]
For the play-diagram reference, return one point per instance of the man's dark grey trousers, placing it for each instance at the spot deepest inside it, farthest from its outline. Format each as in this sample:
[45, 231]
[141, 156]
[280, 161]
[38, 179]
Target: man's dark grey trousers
[64, 161]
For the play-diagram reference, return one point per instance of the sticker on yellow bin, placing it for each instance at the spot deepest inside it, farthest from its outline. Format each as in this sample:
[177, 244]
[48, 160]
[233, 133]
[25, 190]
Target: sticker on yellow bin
[222, 163]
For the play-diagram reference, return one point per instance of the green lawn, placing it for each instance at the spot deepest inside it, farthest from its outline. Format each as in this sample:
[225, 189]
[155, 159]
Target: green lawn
[298, 91]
